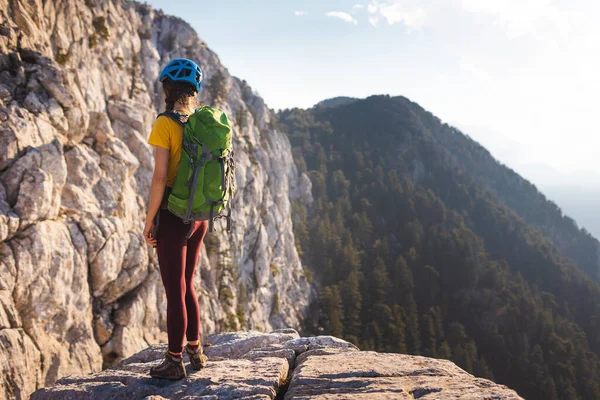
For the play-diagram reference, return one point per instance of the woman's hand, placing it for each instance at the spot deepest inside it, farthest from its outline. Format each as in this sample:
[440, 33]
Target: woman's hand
[149, 232]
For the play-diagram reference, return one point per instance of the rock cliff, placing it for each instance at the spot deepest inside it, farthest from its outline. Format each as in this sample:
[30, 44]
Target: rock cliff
[79, 289]
[252, 365]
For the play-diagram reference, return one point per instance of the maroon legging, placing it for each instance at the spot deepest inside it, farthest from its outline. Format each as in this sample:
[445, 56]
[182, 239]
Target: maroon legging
[177, 258]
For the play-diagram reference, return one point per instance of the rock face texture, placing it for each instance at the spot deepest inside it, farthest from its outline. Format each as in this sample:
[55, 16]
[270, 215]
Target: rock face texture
[280, 364]
[79, 289]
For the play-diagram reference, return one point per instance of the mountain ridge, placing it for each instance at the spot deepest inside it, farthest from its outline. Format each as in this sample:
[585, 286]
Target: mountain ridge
[415, 239]
[591, 267]
[336, 101]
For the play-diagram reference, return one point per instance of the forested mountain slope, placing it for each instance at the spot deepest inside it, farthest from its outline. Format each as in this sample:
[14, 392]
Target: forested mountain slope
[424, 244]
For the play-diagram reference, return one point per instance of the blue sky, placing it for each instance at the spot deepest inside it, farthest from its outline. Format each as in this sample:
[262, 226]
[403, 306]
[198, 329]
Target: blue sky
[522, 75]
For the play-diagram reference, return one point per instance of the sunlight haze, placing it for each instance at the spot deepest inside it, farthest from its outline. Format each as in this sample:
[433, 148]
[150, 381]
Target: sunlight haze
[527, 69]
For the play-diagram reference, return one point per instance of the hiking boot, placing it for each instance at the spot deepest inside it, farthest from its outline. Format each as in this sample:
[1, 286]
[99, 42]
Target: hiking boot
[171, 368]
[197, 357]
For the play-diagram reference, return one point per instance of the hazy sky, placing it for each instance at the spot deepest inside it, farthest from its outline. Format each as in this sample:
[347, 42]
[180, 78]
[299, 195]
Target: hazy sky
[527, 69]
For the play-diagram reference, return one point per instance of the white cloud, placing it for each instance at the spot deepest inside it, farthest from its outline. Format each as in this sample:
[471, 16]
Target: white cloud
[358, 6]
[343, 16]
[398, 11]
[300, 13]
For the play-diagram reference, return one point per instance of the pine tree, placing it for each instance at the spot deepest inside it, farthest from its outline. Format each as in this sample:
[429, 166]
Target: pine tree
[352, 304]
[428, 336]
[482, 369]
[332, 311]
[399, 333]
[444, 351]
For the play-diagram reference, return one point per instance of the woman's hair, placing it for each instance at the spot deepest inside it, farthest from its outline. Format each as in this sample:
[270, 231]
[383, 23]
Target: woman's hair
[178, 91]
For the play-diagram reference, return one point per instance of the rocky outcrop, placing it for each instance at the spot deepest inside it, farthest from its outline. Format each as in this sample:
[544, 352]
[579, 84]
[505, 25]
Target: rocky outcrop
[280, 364]
[79, 289]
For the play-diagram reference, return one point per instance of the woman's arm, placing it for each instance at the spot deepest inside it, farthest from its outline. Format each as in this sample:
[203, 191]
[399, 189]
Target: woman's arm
[157, 189]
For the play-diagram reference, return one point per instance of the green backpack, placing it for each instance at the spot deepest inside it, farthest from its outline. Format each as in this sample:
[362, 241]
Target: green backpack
[205, 181]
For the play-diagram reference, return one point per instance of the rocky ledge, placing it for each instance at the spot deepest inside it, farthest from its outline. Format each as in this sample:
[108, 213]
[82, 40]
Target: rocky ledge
[282, 365]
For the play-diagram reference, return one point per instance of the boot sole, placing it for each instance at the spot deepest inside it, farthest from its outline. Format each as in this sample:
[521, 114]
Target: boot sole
[168, 378]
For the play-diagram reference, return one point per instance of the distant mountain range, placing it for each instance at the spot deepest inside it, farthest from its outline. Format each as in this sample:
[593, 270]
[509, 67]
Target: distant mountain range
[576, 193]
[580, 202]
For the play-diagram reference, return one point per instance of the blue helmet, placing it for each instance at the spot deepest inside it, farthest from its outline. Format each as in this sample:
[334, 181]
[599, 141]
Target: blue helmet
[183, 70]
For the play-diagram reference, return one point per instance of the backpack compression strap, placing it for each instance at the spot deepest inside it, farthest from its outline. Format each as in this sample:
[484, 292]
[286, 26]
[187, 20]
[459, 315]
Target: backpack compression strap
[228, 183]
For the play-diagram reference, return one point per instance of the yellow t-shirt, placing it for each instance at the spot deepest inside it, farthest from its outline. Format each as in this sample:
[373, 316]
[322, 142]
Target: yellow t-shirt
[168, 134]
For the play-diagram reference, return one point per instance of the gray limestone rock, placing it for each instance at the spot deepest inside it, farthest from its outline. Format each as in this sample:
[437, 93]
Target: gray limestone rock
[19, 364]
[78, 97]
[371, 375]
[236, 344]
[333, 369]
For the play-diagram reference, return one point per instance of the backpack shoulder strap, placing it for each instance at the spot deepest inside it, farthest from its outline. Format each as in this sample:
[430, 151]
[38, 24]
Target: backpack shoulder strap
[181, 119]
